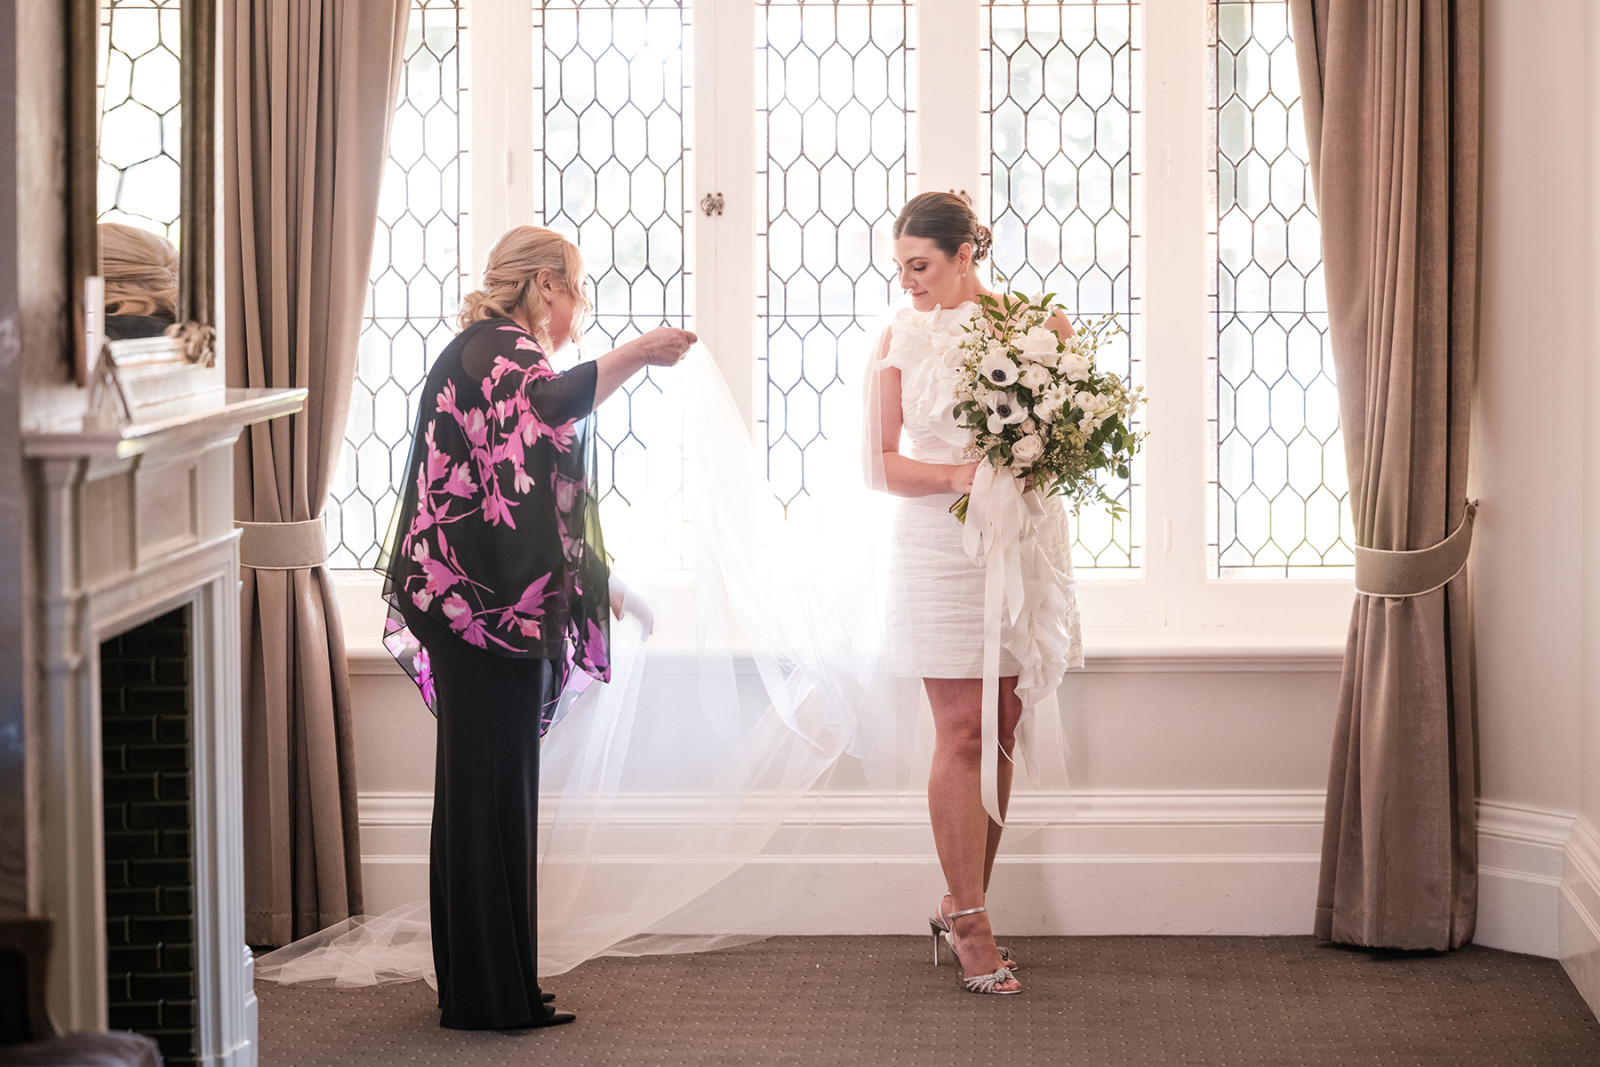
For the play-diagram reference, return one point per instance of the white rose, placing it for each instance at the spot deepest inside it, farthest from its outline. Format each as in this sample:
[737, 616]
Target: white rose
[1040, 345]
[1075, 365]
[997, 369]
[1035, 376]
[1027, 450]
[1004, 410]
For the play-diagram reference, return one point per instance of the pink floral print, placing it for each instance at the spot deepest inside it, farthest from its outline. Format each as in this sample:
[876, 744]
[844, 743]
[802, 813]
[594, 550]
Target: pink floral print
[496, 536]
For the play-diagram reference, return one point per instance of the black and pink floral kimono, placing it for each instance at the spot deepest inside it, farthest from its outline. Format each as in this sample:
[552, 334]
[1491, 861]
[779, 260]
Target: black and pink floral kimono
[497, 589]
[498, 536]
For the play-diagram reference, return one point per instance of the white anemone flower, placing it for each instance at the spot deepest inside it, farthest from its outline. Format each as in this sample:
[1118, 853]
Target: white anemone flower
[1004, 410]
[998, 369]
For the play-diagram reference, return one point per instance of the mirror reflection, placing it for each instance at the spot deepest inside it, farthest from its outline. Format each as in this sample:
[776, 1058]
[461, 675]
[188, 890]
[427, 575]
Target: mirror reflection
[139, 179]
[141, 279]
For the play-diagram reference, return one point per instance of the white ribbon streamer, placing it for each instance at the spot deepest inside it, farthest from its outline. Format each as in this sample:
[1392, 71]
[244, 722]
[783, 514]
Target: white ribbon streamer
[998, 520]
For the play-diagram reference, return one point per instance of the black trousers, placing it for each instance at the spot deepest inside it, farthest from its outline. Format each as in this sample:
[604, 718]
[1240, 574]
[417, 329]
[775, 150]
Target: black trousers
[483, 864]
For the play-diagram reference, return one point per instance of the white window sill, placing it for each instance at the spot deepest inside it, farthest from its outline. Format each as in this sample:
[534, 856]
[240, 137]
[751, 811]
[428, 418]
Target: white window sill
[1107, 650]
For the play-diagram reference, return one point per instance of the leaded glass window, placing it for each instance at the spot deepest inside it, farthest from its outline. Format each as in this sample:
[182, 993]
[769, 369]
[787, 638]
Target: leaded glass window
[834, 82]
[611, 120]
[140, 114]
[415, 282]
[1062, 121]
[1279, 484]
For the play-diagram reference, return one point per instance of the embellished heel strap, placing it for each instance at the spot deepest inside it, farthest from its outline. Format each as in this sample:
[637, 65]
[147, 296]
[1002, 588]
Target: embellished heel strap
[988, 983]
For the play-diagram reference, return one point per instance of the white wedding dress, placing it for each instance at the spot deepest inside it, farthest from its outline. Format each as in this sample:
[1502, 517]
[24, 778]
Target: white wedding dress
[936, 602]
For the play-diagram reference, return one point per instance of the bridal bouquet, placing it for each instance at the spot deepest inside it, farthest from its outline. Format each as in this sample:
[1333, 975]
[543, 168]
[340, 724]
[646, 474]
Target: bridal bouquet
[1037, 407]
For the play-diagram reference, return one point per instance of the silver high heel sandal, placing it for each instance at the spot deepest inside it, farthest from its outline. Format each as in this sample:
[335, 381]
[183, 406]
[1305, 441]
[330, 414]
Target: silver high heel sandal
[937, 922]
[978, 983]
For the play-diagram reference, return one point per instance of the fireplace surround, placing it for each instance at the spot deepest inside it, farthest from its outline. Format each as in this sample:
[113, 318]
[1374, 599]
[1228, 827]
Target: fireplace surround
[132, 523]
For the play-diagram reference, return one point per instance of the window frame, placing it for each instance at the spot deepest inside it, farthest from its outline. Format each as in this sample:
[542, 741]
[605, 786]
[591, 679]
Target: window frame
[1175, 595]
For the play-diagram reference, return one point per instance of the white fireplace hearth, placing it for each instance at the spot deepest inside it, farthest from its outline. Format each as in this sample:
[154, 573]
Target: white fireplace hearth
[131, 523]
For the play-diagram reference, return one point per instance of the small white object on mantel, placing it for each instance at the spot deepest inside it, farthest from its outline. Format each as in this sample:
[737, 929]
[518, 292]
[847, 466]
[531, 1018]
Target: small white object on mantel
[132, 521]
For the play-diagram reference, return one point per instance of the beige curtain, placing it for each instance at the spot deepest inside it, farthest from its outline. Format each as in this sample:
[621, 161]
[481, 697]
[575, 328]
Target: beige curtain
[308, 90]
[1392, 109]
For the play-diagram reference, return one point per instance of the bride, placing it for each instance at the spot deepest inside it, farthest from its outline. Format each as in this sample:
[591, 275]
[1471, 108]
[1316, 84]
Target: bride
[936, 624]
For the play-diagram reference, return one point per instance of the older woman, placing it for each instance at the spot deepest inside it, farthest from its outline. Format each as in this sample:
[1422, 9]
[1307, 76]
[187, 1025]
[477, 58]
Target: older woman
[498, 588]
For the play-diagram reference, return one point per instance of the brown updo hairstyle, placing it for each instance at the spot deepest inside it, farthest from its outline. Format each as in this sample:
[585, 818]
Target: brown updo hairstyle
[947, 220]
[141, 271]
[508, 281]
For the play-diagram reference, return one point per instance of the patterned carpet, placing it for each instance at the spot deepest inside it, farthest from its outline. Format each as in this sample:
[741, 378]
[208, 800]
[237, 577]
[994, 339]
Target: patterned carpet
[1088, 1001]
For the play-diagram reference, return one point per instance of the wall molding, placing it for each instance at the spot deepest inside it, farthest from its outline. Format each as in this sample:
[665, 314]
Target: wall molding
[1088, 862]
[1580, 911]
[1030, 809]
[1519, 877]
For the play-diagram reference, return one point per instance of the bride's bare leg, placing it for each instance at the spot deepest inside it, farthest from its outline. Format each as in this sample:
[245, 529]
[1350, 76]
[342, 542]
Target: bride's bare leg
[1010, 715]
[955, 808]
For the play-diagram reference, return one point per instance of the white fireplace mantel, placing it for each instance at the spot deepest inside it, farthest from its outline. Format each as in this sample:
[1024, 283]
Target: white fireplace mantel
[130, 522]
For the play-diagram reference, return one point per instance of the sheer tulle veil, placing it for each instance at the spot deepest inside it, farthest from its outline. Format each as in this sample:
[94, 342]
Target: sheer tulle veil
[663, 790]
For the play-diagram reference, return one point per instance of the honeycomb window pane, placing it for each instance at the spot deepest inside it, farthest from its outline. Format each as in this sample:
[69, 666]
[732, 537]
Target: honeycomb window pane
[834, 81]
[1278, 498]
[140, 115]
[415, 280]
[1062, 192]
[613, 106]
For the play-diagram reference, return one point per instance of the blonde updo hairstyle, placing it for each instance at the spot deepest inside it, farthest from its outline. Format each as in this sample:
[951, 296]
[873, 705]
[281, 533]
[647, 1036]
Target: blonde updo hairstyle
[947, 220]
[140, 270]
[509, 281]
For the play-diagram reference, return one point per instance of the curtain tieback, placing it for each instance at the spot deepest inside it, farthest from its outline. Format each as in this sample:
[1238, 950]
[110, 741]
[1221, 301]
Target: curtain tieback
[283, 546]
[1380, 572]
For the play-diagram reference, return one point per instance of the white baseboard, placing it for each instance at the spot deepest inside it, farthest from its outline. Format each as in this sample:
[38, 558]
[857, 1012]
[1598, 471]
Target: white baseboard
[1194, 862]
[1580, 912]
[1519, 878]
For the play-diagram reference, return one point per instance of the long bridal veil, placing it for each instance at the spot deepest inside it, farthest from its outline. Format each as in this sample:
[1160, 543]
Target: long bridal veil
[662, 791]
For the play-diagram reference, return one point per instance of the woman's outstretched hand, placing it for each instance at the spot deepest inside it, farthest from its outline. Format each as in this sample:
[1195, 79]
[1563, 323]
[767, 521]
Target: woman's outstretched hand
[664, 346]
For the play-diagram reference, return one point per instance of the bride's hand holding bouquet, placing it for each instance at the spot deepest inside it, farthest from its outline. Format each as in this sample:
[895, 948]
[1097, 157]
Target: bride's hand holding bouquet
[1037, 406]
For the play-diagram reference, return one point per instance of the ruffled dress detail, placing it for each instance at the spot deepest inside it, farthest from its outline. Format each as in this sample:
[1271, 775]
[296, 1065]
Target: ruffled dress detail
[936, 604]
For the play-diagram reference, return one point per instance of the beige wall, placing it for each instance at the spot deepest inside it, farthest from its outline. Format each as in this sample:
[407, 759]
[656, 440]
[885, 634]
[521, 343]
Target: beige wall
[1531, 408]
[1589, 769]
[1580, 914]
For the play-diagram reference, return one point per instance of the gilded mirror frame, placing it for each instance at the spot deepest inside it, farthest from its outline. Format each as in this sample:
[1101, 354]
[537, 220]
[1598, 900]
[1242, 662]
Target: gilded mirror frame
[197, 193]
